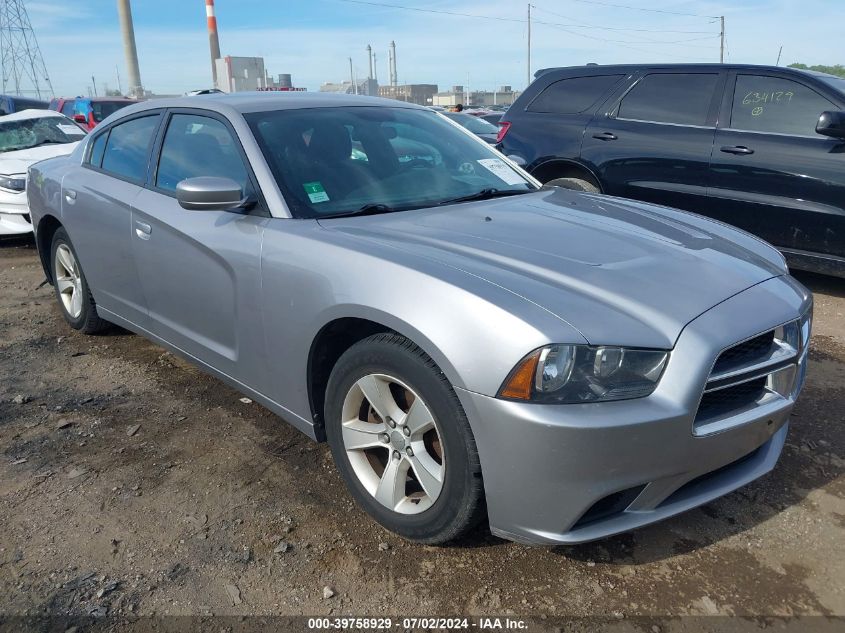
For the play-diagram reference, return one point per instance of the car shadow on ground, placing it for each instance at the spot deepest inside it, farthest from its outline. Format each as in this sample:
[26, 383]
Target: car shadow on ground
[825, 284]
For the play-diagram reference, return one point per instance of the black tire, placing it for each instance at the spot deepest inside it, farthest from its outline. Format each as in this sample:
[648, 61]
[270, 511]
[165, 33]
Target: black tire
[576, 184]
[460, 504]
[88, 321]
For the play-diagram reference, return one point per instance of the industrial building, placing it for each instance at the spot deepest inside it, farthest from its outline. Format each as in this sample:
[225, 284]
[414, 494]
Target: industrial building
[238, 74]
[504, 96]
[421, 94]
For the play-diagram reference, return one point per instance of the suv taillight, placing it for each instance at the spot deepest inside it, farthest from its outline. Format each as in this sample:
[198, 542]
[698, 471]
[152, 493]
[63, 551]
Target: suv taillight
[504, 126]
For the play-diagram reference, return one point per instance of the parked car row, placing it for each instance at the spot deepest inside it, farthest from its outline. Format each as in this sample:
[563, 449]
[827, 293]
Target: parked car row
[473, 345]
[761, 148]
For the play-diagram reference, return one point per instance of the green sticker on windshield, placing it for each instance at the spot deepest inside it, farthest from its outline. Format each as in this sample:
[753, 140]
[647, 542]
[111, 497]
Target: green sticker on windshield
[315, 192]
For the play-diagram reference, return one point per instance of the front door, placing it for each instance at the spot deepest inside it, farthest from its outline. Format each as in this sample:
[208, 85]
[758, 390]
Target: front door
[200, 269]
[655, 143]
[771, 173]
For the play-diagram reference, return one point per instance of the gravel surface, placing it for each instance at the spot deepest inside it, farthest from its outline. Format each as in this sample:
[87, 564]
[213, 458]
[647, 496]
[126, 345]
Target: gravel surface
[131, 483]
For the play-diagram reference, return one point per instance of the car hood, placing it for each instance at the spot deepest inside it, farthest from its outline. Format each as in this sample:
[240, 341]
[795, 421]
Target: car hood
[18, 161]
[621, 272]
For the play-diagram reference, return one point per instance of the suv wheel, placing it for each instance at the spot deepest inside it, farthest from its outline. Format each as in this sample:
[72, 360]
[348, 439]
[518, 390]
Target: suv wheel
[577, 184]
[401, 440]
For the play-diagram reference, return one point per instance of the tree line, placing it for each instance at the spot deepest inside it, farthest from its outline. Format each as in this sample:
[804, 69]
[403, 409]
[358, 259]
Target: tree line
[838, 69]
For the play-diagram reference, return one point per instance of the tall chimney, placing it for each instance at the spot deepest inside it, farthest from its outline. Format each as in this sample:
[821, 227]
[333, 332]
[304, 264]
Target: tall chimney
[370, 55]
[124, 12]
[394, 77]
[213, 40]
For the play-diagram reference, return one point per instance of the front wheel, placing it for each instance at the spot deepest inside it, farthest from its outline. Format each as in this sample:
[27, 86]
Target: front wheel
[401, 440]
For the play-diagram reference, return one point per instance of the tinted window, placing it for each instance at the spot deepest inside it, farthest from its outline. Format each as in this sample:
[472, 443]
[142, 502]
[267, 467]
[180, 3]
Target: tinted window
[571, 96]
[128, 147]
[771, 104]
[670, 98]
[198, 146]
[102, 109]
[97, 150]
[67, 108]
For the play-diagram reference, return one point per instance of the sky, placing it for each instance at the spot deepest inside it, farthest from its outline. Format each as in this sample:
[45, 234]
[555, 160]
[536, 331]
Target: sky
[314, 39]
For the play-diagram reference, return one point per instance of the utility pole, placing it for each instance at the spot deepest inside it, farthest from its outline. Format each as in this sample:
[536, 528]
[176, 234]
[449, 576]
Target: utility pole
[777, 63]
[528, 82]
[722, 47]
[119, 87]
[94, 83]
[352, 77]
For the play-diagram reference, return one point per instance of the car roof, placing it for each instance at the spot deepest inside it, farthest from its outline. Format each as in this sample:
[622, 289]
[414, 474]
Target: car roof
[245, 102]
[600, 68]
[30, 114]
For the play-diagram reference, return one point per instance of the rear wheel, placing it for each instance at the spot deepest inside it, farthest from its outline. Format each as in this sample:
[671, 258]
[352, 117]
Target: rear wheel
[401, 440]
[577, 184]
[74, 297]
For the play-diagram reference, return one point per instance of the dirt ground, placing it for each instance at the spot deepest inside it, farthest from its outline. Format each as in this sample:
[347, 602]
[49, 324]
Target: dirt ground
[131, 483]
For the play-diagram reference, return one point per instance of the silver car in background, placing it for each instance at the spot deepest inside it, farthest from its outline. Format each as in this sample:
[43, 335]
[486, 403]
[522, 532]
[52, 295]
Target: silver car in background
[565, 366]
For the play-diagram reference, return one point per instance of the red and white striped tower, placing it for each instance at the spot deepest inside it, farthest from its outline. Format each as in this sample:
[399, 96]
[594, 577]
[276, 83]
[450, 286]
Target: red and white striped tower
[213, 40]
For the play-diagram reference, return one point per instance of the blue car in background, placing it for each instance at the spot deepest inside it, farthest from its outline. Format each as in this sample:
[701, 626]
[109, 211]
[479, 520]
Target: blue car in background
[9, 104]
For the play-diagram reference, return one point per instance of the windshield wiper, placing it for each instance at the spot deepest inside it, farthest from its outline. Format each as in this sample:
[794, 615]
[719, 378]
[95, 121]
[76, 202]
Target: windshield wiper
[486, 194]
[368, 209]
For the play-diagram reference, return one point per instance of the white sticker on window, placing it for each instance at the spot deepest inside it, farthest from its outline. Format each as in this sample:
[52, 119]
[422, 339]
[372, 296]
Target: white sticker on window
[501, 169]
[70, 129]
[316, 192]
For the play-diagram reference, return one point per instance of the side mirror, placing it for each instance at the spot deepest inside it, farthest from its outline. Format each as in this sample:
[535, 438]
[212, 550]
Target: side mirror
[80, 118]
[209, 193]
[832, 124]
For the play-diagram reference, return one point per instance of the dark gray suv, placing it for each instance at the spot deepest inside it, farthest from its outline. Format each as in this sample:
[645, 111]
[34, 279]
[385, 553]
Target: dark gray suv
[762, 148]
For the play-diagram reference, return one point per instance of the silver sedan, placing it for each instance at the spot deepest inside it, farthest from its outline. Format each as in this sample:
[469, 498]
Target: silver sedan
[474, 347]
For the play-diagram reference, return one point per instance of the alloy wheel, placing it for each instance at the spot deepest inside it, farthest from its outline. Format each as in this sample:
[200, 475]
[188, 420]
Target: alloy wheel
[393, 444]
[68, 281]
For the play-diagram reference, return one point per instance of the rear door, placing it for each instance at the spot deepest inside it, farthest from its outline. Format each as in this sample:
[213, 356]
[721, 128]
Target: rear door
[200, 270]
[654, 143]
[771, 173]
[97, 202]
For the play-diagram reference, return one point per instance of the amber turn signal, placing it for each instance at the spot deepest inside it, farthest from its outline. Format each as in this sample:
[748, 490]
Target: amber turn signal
[519, 383]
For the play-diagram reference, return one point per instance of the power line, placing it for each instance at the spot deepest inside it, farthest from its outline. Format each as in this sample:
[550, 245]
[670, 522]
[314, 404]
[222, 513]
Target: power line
[664, 11]
[587, 25]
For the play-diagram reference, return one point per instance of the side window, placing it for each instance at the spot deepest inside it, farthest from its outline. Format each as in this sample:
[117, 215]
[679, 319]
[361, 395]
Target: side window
[67, 108]
[198, 146]
[573, 96]
[670, 98]
[128, 147]
[98, 148]
[772, 104]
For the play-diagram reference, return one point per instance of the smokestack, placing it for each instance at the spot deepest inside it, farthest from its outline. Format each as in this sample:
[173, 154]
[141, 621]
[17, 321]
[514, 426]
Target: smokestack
[213, 40]
[394, 77]
[124, 12]
[370, 55]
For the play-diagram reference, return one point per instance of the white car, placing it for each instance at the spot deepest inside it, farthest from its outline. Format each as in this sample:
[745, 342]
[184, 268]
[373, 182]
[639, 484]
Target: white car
[27, 137]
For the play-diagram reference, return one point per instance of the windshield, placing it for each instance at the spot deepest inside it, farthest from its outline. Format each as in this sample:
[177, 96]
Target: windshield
[838, 83]
[473, 123]
[331, 161]
[27, 133]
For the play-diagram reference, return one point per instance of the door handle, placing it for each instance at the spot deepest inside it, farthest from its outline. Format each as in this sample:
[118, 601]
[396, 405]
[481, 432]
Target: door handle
[143, 230]
[736, 149]
[605, 136]
[70, 196]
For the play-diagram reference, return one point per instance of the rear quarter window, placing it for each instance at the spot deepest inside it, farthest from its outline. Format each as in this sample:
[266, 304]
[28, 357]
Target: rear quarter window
[573, 96]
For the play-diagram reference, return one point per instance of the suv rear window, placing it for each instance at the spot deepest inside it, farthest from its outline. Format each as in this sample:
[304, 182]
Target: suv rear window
[670, 98]
[572, 96]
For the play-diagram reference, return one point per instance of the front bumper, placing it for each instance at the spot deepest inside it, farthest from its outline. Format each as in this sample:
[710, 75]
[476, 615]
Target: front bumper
[14, 214]
[576, 473]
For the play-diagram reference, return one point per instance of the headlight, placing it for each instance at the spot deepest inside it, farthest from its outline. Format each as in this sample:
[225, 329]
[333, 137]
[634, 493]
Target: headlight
[13, 183]
[568, 374]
